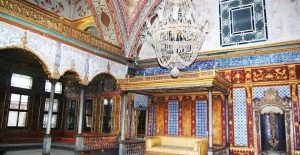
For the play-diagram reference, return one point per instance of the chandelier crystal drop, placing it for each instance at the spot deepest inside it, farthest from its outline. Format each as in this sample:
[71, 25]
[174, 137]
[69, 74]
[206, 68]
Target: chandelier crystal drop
[177, 36]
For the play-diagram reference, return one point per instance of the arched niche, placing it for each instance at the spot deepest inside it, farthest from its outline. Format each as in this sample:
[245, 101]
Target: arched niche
[272, 123]
[71, 82]
[103, 83]
[17, 58]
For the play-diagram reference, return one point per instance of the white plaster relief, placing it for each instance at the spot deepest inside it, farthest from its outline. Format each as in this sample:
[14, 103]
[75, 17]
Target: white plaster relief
[71, 59]
[99, 65]
[10, 37]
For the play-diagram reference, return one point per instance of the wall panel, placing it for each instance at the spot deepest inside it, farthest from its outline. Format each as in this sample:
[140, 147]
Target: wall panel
[186, 118]
[160, 109]
[217, 121]
[240, 117]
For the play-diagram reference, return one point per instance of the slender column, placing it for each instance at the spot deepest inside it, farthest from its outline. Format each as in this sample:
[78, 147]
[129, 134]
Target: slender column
[210, 124]
[47, 137]
[79, 131]
[152, 116]
[79, 138]
[227, 124]
[123, 115]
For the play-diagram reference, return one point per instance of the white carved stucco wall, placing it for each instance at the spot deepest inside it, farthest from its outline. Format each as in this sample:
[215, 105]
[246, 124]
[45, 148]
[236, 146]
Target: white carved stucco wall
[283, 20]
[70, 58]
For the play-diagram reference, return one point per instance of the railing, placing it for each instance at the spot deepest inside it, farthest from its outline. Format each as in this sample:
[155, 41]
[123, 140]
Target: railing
[135, 147]
[100, 143]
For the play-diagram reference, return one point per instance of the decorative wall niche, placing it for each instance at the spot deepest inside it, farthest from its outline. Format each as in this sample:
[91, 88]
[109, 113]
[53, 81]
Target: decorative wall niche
[272, 114]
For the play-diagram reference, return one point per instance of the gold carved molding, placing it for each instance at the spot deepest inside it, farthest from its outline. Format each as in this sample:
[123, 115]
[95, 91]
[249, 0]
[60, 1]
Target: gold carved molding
[242, 149]
[36, 16]
[206, 79]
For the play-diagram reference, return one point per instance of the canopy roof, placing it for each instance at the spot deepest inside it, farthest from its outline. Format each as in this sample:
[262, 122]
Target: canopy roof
[186, 82]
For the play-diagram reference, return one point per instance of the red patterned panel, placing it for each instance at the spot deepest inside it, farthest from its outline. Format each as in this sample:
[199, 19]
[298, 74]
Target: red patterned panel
[193, 118]
[222, 73]
[270, 74]
[238, 76]
[166, 118]
[223, 122]
[296, 125]
[231, 125]
[149, 119]
[180, 117]
[298, 71]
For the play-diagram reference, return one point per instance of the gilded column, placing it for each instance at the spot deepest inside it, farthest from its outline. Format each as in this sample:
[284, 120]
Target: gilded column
[231, 125]
[227, 145]
[210, 123]
[47, 137]
[249, 116]
[295, 107]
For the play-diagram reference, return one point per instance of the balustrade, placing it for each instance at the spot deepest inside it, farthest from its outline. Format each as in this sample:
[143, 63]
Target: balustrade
[135, 147]
[100, 143]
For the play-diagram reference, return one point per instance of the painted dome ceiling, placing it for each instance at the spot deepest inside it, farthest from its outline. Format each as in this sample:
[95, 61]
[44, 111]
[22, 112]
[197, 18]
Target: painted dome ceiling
[69, 9]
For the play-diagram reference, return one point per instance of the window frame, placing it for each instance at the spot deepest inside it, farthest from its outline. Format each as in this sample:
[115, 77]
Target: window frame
[57, 113]
[74, 103]
[18, 110]
[250, 7]
[21, 75]
[19, 91]
[86, 128]
[111, 114]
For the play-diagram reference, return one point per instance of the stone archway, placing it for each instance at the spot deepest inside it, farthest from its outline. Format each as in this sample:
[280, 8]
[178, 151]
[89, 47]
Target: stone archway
[270, 112]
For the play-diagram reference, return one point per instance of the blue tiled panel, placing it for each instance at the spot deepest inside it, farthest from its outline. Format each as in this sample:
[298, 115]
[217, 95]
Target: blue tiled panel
[140, 101]
[242, 22]
[201, 118]
[245, 61]
[283, 91]
[240, 117]
[173, 118]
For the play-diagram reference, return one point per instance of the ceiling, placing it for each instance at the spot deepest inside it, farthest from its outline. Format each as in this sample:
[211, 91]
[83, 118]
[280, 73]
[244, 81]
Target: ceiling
[118, 21]
[69, 9]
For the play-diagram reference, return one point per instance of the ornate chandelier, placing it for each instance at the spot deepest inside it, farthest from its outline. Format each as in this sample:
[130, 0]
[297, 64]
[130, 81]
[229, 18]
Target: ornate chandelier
[176, 36]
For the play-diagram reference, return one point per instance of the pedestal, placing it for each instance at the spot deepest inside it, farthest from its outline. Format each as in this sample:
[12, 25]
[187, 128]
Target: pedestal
[79, 144]
[47, 144]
